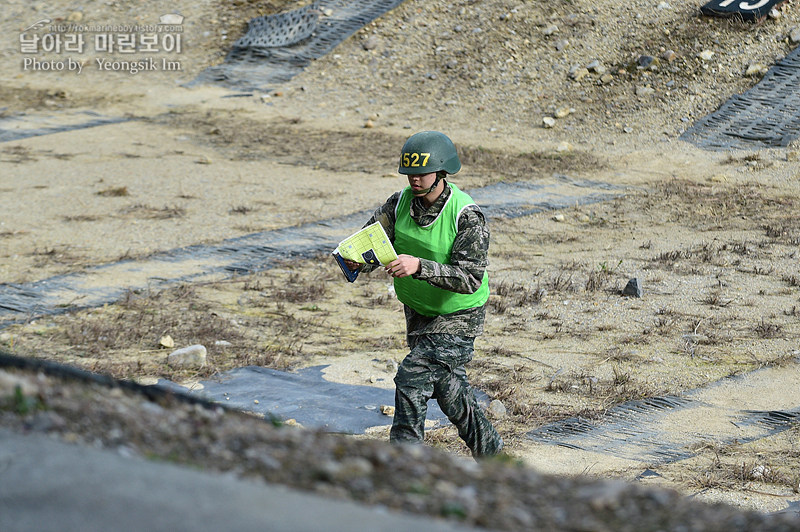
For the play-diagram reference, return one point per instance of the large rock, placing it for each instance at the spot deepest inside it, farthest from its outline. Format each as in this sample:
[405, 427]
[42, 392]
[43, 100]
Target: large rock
[193, 356]
[497, 409]
[633, 288]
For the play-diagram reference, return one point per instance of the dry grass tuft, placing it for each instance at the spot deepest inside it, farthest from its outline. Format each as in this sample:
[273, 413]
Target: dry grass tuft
[240, 209]
[514, 295]
[768, 330]
[146, 211]
[114, 192]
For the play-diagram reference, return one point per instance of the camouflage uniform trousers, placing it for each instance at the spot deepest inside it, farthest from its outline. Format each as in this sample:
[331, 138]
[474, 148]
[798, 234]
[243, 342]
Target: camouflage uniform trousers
[435, 369]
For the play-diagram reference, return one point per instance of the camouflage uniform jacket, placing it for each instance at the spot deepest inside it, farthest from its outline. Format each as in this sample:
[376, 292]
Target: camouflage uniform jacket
[468, 261]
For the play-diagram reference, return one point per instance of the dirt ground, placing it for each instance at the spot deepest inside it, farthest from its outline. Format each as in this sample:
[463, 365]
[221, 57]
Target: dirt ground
[713, 236]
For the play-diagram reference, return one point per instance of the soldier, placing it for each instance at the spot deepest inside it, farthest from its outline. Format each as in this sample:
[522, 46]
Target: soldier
[442, 243]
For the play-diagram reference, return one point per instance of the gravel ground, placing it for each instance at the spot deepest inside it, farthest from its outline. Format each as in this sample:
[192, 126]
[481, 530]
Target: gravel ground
[600, 68]
[496, 494]
[609, 75]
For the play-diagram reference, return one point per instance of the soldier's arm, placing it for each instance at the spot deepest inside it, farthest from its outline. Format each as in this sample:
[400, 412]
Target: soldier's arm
[385, 215]
[468, 258]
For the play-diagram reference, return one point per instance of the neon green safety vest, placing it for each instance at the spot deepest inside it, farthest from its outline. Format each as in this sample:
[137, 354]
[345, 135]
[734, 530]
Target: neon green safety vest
[433, 242]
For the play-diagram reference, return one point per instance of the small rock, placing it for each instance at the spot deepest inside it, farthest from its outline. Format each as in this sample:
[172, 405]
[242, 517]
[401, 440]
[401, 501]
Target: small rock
[645, 91]
[706, 55]
[564, 111]
[755, 70]
[794, 35]
[564, 146]
[548, 122]
[633, 288]
[371, 43]
[193, 356]
[594, 64]
[645, 61]
[558, 217]
[605, 79]
[47, 421]
[222, 343]
[75, 16]
[6, 337]
[497, 409]
[550, 30]
[718, 178]
[369, 124]
[578, 73]
[669, 56]
[560, 45]
[387, 410]
[166, 341]
[596, 67]
[774, 14]
[203, 160]
[351, 468]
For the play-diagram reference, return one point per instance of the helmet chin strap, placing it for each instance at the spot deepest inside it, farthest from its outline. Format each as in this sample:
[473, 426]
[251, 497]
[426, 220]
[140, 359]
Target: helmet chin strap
[425, 191]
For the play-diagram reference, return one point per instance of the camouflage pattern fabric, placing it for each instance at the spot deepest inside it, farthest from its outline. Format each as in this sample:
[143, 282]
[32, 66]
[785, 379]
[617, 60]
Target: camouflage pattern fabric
[442, 345]
[468, 261]
[435, 369]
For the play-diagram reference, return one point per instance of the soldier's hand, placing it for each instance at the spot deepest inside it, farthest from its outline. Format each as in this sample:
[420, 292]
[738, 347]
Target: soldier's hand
[352, 265]
[403, 266]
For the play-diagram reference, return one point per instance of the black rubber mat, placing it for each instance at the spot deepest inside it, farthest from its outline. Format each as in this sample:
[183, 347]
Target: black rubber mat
[260, 251]
[305, 396]
[771, 418]
[16, 126]
[629, 430]
[278, 47]
[766, 116]
[748, 11]
[635, 430]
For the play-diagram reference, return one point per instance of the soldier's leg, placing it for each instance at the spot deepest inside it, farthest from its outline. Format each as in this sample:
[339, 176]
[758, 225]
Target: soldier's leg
[413, 388]
[457, 400]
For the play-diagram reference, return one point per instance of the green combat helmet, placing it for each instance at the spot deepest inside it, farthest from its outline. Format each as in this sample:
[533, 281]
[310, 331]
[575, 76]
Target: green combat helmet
[429, 151]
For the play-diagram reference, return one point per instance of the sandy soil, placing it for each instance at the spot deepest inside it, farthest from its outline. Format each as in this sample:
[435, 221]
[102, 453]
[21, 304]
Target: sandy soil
[712, 235]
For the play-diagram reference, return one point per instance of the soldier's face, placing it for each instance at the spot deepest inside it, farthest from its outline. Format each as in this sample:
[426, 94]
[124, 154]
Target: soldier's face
[421, 183]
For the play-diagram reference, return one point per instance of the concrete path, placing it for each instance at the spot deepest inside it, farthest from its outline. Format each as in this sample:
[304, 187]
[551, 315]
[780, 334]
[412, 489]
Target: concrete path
[47, 485]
